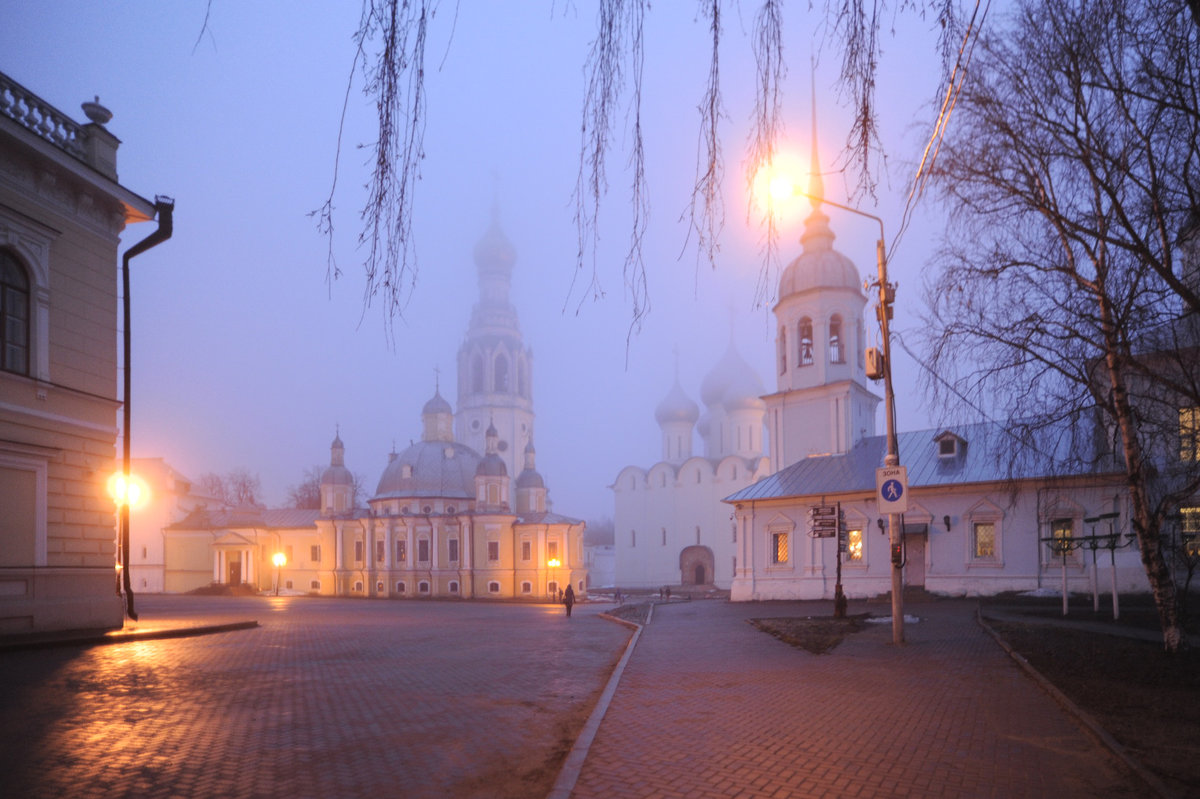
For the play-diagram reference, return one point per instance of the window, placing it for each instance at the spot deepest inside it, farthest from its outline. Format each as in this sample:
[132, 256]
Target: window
[493, 494]
[1061, 533]
[1189, 434]
[1189, 531]
[525, 551]
[380, 551]
[379, 587]
[452, 549]
[14, 315]
[423, 587]
[453, 587]
[287, 553]
[983, 540]
[401, 587]
[401, 551]
[782, 350]
[358, 586]
[286, 584]
[493, 551]
[947, 447]
[837, 351]
[526, 588]
[521, 387]
[423, 550]
[477, 375]
[806, 343]
[358, 552]
[501, 373]
[779, 547]
[854, 546]
[551, 549]
[493, 587]
[315, 585]
[552, 589]
[664, 536]
[144, 554]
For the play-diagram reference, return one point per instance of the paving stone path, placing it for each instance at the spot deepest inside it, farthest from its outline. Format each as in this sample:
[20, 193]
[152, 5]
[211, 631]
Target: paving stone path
[708, 706]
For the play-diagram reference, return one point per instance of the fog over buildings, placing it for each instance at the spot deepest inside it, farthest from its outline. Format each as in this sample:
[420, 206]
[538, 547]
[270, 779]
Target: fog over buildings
[245, 356]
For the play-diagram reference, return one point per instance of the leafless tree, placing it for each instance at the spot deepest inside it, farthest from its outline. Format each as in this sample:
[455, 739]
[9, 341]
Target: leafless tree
[1068, 176]
[307, 493]
[235, 487]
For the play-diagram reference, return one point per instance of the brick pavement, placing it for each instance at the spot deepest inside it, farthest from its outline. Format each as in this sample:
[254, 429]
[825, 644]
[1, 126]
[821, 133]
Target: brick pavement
[327, 698]
[710, 707]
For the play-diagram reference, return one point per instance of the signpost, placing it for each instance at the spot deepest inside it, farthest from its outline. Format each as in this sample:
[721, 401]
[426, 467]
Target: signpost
[826, 521]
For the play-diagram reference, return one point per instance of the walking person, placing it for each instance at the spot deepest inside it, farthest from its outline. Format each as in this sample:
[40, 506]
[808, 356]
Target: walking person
[569, 599]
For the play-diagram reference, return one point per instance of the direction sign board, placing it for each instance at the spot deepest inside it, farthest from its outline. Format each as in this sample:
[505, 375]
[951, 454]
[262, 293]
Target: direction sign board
[891, 489]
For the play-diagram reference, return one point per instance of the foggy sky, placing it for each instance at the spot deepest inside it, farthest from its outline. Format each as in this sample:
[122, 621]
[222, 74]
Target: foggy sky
[245, 357]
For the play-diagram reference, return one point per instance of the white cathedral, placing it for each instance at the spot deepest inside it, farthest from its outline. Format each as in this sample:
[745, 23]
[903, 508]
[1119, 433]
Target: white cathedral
[447, 517]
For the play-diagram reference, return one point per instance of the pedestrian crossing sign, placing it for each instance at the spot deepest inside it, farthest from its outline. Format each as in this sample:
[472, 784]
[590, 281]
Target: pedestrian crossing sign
[891, 489]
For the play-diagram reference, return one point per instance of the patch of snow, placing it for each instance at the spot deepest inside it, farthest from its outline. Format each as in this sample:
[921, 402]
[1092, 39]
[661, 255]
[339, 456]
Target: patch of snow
[888, 619]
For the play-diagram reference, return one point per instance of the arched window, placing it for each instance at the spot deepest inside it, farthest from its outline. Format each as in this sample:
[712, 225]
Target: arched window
[14, 315]
[526, 588]
[423, 587]
[806, 342]
[837, 350]
[477, 373]
[453, 586]
[782, 350]
[522, 389]
[501, 373]
[493, 587]
[400, 587]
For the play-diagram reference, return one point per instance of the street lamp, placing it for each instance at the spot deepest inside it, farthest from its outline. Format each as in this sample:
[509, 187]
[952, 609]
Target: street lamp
[279, 559]
[554, 563]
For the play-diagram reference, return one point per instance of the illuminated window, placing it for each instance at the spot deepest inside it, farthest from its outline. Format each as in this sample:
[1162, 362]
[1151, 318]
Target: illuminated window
[423, 550]
[358, 552]
[1189, 530]
[854, 546]
[983, 540]
[806, 343]
[779, 547]
[1189, 434]
[14, 315]
[494, 551]
[837, 352]
[452, 549]
[526, 552]
[1061, 533]
[401, 551]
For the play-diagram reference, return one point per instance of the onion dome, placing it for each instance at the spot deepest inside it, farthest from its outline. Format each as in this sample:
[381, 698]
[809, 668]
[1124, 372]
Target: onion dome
[730, 370]
[337, 474]
[744, 391]
[677, 407]
[491, 466]
[437, 404]
[529, 477]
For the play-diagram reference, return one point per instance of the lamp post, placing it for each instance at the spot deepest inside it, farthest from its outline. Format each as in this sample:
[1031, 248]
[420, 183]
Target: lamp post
[887, 292]
[279, 559]
[554, 563]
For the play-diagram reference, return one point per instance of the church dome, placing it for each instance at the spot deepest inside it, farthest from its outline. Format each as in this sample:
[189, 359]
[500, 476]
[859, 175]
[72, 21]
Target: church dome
[744, 391]
[819, 266]
[336, 476]
[494, 250]
[430, 469]
[529, 478]
[731, 371]
[677, 407]
[437, 404]
[491, 466]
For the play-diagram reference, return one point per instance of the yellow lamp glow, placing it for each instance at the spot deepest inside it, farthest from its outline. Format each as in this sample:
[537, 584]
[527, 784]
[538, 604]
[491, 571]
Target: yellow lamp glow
[129, 491]
[554, 563]
[279, 559]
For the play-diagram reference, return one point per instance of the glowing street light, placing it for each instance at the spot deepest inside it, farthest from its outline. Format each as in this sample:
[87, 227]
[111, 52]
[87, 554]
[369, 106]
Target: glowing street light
[279, 559]
[127, 490]
[554, 563]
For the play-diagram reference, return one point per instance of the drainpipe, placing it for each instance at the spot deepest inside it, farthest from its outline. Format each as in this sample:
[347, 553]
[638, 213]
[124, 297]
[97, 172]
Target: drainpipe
[164, 208]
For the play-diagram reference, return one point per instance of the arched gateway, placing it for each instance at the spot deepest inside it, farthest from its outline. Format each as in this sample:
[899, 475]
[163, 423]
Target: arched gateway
[696, 566]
